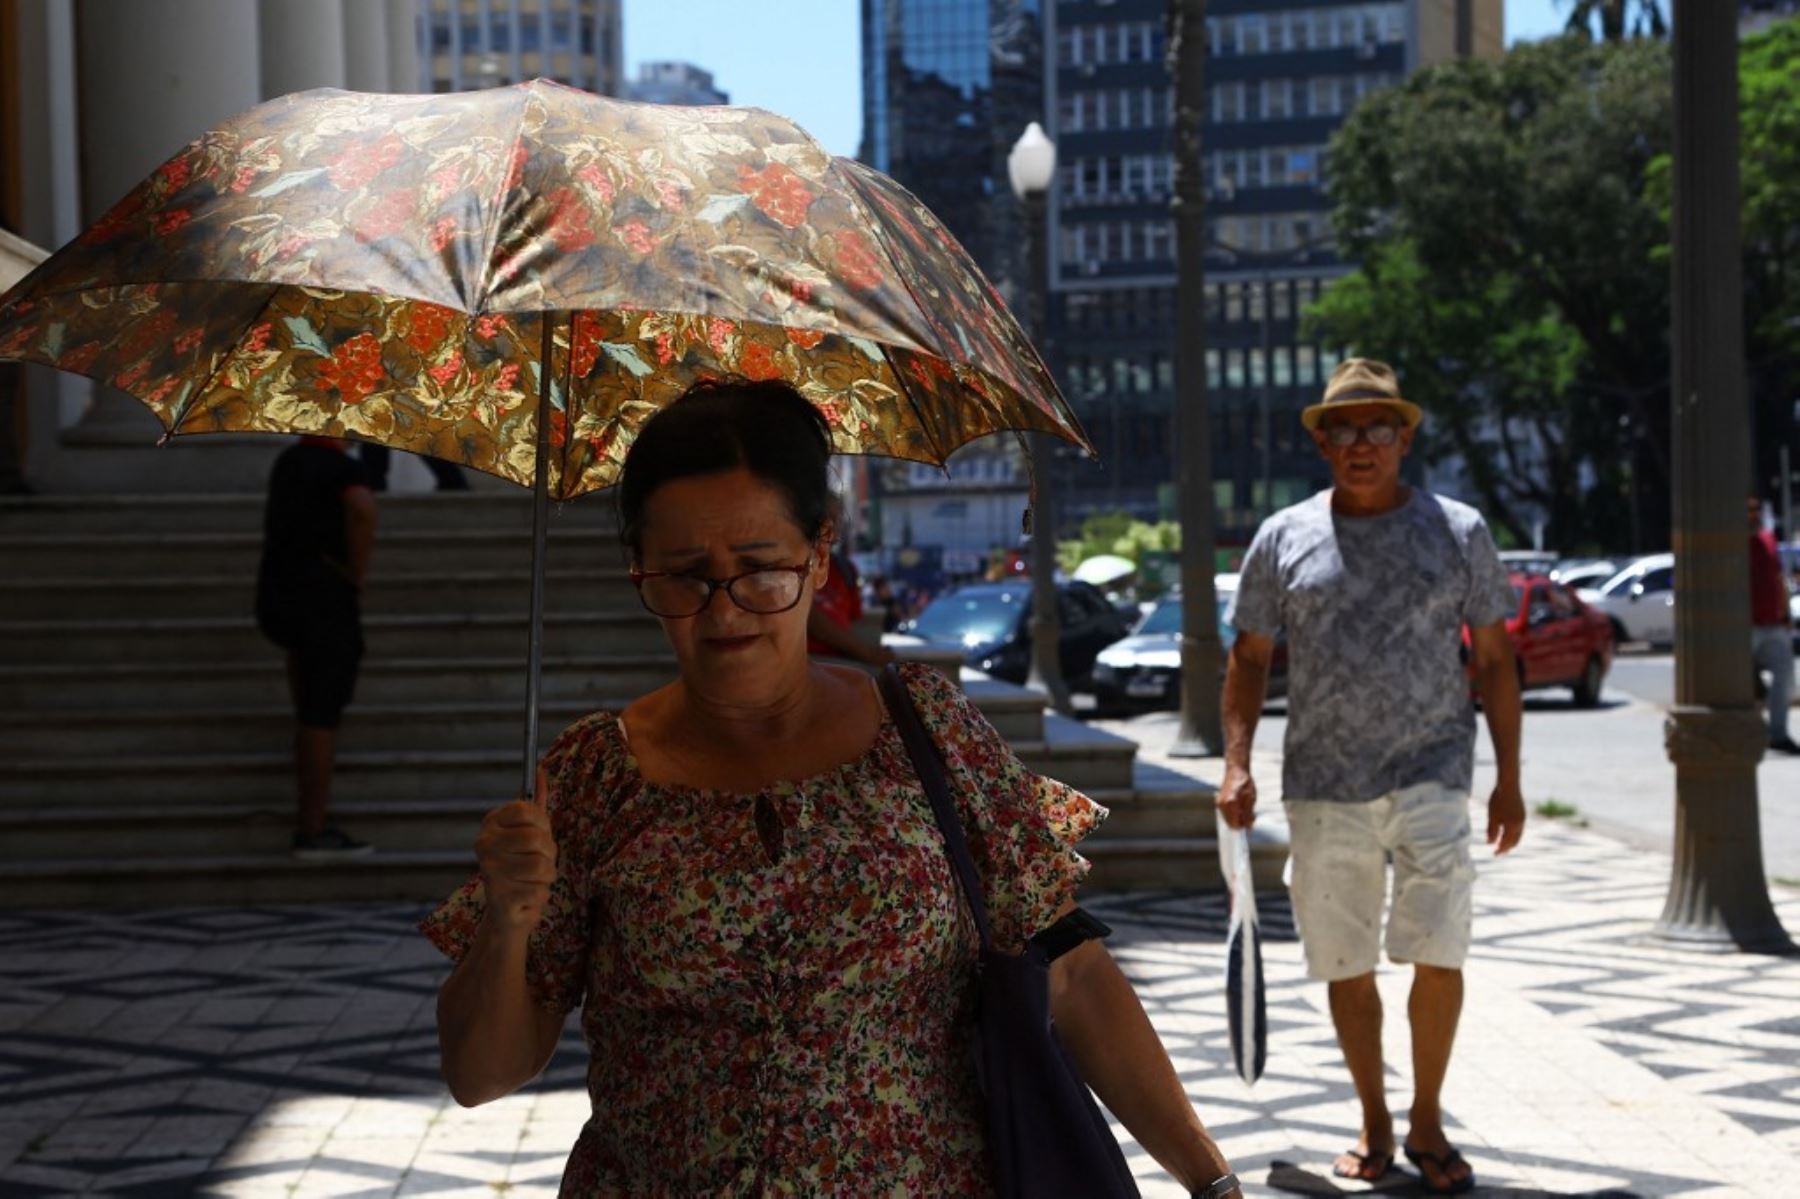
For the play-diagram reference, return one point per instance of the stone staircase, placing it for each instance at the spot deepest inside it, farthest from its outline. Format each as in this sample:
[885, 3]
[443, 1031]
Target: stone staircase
[144, 725]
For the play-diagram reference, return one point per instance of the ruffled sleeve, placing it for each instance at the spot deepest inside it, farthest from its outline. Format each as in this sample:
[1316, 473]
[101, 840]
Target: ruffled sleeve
[1022, 828]
[575, 769]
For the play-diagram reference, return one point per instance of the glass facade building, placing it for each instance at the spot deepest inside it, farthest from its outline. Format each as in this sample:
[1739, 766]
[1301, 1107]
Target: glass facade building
[948, 87]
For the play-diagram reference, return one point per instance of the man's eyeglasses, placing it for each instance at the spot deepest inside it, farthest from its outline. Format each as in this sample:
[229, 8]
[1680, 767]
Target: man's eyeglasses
[764, 591]
[1345, 436]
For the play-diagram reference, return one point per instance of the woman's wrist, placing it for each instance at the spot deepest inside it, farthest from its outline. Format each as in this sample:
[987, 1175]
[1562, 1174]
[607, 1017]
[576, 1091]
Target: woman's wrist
[1220, 1188]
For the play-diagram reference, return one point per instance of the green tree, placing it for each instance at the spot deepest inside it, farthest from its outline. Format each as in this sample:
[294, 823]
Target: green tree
[1499, 212]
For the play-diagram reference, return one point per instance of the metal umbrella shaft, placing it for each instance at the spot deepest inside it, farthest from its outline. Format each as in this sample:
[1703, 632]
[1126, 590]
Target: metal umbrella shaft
[540, 528]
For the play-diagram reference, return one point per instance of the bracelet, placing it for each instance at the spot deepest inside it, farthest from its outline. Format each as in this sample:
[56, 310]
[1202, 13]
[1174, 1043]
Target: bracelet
[1219, 1188]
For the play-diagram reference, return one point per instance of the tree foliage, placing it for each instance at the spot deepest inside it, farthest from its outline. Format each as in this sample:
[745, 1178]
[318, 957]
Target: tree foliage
[1511, 219]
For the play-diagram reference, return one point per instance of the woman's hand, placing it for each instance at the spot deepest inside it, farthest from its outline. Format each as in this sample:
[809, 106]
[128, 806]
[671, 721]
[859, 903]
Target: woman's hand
[517, 854]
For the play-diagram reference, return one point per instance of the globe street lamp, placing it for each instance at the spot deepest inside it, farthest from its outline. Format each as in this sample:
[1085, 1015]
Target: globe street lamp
[1031, 166]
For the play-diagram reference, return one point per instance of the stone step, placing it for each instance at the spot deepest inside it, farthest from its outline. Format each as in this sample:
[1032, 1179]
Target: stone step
[49, 688]
[369, 727]
[235, 513]
[267, 776]
[387, 636]
[166, 830]
[1175, 863]
[194, 858]
[236, 554]
[389, 592]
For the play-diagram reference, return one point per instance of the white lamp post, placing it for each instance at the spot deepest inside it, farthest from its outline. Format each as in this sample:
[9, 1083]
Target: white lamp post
[1031, 166]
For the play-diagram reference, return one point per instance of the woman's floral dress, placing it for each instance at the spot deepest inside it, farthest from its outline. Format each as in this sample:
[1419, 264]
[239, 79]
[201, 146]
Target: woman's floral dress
[775, 987]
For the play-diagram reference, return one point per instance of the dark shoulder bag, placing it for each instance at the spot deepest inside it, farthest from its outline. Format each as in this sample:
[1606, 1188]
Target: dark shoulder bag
[1046, 1134]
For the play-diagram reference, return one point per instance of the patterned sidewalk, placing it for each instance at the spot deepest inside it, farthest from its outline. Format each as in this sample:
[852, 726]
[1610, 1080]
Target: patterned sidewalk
[292, 1051]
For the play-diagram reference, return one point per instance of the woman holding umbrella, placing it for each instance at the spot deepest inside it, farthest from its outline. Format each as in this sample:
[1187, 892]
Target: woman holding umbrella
[736, 879]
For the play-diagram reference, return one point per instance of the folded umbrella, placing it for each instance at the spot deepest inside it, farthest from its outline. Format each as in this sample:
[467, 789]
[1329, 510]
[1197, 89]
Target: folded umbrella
[1244, 998]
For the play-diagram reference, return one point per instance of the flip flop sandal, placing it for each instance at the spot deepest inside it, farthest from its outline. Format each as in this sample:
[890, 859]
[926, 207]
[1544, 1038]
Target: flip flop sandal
[1363, 1162]
[1460, 1186]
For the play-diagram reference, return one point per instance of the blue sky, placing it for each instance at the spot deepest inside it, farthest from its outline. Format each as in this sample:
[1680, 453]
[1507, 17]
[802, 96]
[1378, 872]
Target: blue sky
[803, 57]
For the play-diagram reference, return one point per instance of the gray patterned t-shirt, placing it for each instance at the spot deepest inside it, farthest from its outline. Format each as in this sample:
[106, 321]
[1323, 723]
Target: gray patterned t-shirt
[1373, 609]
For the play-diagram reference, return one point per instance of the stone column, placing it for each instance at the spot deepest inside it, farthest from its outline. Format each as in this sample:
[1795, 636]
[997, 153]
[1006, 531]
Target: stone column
[49, 151]
[302, 45]
[366, 56]
[154, 75]
[403, 45]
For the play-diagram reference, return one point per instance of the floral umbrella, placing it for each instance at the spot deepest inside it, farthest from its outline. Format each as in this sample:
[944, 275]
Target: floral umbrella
[432, 272]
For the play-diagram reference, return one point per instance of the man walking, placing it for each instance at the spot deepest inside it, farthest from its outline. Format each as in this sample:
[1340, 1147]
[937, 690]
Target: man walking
[1373, 582]
[318, 534]
[1772, 630]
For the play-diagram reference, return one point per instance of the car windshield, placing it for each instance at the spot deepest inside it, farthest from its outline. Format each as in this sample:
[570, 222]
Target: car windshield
[1165, 619]
[970, 616]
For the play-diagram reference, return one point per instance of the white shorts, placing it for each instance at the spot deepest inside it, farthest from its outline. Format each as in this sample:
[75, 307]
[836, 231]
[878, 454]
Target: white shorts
[1337, 866]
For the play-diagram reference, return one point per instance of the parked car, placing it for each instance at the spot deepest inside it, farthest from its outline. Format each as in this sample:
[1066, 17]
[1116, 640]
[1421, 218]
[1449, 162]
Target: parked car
[1530, 561]
[1557, 640]
[1639, 600]
[1585, 572]
[1144, 669]
[991, 624]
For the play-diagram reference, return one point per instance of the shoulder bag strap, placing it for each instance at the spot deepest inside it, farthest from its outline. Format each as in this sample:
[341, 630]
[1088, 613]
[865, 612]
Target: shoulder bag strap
[930, 767]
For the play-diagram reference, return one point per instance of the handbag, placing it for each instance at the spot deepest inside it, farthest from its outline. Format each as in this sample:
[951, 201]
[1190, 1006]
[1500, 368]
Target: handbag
[1046, 1134]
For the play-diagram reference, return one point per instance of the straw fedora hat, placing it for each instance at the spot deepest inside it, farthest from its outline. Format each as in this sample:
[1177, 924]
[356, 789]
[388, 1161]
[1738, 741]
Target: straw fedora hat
[1359, 381]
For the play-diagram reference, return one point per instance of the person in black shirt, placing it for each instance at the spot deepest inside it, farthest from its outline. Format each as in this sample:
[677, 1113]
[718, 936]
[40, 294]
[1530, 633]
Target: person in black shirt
[318, 533]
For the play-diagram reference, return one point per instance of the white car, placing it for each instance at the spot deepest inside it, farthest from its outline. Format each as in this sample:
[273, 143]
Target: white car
[1639, 600]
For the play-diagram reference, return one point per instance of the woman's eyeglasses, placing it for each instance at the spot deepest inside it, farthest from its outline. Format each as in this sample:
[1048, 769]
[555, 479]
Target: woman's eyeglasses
[1345, 436]
[764, 591]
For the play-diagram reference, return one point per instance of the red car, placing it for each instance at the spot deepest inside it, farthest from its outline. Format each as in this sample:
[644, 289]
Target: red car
[1557, 640]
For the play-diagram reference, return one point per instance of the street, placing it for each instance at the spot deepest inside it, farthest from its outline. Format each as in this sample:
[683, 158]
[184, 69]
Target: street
[1606, 763]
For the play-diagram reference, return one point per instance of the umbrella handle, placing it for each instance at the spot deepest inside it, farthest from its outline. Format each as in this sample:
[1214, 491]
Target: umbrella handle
[540, 524]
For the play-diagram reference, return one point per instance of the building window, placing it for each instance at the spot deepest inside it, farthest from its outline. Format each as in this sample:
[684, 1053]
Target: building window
[1234, 368]
[1258, 368]
[1282, 367]
[1212, 302]
[1228, 102]
[1223, 36]
[1277, 99]
[1234, 303]
[1282, 307]
[1253, 302]
[1306, 366]
[1299, 30]
[1158, 241]
[1252, 34]
[1068, 48]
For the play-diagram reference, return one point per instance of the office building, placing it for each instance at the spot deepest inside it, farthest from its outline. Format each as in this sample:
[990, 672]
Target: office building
[948, 87]
[1280, 79]
[471, 44]
[674, 83]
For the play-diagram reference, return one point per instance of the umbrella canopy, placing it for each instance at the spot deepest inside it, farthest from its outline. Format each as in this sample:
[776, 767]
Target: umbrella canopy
[517, 279]
[383, 267]
[1102, 569]
[1245, 1002]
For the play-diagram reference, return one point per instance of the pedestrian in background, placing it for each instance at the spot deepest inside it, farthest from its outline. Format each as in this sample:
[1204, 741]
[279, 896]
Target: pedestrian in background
[318, 535]
[1771, 628]
[1373, 581]
[837, 606]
